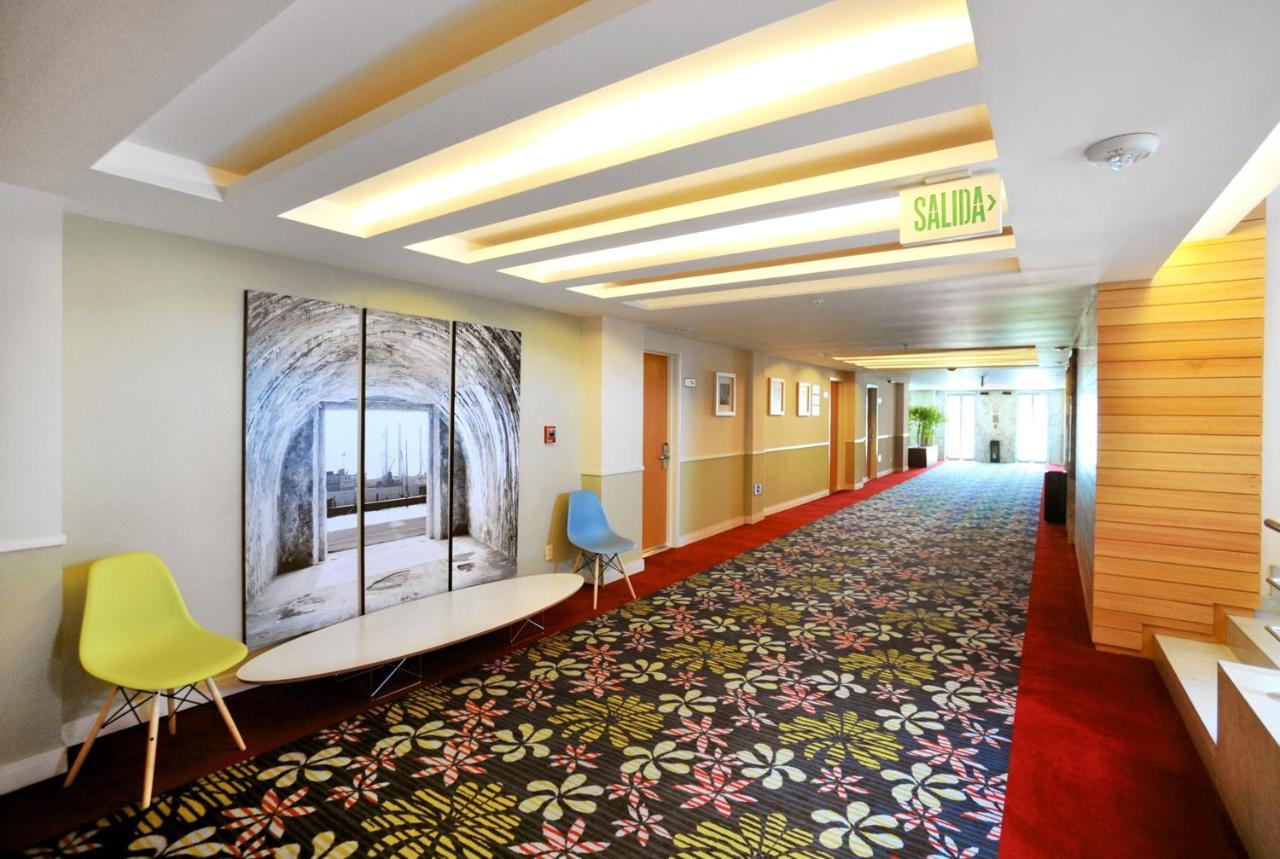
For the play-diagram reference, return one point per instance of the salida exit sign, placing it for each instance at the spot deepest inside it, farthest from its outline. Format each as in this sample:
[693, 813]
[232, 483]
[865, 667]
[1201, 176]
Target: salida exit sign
[952, 210]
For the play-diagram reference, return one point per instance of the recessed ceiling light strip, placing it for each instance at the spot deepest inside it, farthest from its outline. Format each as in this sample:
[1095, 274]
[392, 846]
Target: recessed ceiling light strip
[950, 273]
[828, 56]
[815, 265]
[855, 219]
[1018, 356]
[460, 248]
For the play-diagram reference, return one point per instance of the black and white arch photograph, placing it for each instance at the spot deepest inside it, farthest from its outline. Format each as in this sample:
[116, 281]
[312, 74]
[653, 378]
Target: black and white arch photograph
[407, 419]
[431, 502]
[486, 483]
[302, 395]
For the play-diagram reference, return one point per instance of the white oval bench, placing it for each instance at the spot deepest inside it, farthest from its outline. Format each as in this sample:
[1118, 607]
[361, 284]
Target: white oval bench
[409, 629]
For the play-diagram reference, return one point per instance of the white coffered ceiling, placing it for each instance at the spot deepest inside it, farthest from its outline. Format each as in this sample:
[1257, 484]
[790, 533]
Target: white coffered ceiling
[728, 167]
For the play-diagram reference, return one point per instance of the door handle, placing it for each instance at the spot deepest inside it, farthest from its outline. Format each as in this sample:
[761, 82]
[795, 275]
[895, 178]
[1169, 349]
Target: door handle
[1272, 524]
[665, 456]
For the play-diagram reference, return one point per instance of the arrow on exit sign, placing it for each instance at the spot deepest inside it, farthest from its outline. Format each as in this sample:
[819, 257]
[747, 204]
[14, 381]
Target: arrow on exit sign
[952, 210]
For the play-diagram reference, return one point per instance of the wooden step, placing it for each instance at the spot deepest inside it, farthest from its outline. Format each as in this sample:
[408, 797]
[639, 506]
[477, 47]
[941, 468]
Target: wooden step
[1190, 671]
[1252, 642]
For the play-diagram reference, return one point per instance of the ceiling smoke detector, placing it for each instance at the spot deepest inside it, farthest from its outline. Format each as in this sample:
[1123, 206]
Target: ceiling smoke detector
[1124, 150]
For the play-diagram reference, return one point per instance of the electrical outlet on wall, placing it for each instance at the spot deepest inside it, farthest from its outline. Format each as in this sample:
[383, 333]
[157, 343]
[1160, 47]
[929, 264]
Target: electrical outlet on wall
[549, 554]
[758, 489]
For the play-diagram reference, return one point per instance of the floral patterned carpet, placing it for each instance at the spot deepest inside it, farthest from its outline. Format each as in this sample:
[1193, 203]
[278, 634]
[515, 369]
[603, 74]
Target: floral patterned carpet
[847, 689]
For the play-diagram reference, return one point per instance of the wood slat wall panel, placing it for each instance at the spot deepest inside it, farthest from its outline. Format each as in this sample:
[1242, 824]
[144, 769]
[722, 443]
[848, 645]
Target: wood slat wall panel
[1177, 350]
[1187, 556]
[1214, 329]
[1193, 387]
[1203, 538]
[1208, 520]
[1218, 272]
[1207, 463]
[1155, 609]
[1242, 445]
[1184, 294]
[1201, 253]
[1177, 530]
[1179, 499]
[1191, 406]
[1173, 590]
[1220, 368]
[1121, 638]
[1156, 314]
[1232, 580]
[1180, 424]
[1135, 622]
[1242, 484]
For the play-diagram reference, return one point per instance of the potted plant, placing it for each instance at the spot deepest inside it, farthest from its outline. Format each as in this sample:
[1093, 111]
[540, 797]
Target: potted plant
[925, 419]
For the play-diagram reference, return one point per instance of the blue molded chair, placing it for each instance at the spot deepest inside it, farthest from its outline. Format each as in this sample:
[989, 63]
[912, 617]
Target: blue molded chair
[598, 545]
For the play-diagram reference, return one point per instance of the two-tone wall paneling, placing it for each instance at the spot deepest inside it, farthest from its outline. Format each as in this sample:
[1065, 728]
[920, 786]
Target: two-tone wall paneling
[1177, 527]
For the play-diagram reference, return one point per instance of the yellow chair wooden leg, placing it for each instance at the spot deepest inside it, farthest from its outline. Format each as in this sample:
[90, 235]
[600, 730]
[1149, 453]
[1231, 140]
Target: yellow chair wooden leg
[173, 713]
[93, 735]
[153, 733]
[226, 714]
[595, 577]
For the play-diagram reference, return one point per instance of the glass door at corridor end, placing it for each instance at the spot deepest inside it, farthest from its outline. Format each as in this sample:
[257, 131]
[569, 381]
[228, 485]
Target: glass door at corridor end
[961, 424]
[1033, 428]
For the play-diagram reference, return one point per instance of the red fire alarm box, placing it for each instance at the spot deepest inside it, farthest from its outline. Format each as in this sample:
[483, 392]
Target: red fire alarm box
[548, 435]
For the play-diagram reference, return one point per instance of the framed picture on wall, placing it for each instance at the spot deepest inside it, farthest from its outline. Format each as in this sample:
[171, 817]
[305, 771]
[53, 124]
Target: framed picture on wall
[726, 394]
[815, 395]
[777, 396]
[804, 400]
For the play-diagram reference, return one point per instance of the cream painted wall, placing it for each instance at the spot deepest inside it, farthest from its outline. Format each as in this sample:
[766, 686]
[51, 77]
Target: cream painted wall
[31, 369]
[715, 452]
[710, 450]
[31, 745]
[613, 421]
[702, 433]
[790, 429]
[152, 403]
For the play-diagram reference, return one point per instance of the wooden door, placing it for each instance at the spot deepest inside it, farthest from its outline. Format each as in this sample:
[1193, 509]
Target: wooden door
[873, 432]
[656, 450]
[833, 447]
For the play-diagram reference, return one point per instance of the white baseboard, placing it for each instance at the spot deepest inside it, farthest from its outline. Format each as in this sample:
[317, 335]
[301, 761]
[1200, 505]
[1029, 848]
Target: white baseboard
[32, 769]
[885, 473]
[859, 485]
[796, 502]
[711, 531]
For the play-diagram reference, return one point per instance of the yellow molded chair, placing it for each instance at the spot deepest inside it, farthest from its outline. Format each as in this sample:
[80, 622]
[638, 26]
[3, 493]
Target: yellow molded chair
[138, 636]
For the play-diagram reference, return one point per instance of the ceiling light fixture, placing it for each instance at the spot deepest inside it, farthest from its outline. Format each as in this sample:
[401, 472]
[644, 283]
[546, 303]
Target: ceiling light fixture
[949, 274]
[1013, 356]
[895, 154]
[764, 76]
[872, 216]
[1123, 151]
[873, 257]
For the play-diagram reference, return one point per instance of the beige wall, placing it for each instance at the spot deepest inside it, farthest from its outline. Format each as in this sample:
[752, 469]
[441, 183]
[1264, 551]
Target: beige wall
[30, 486]
[710, 450]
[152, 400]
[721, 457]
